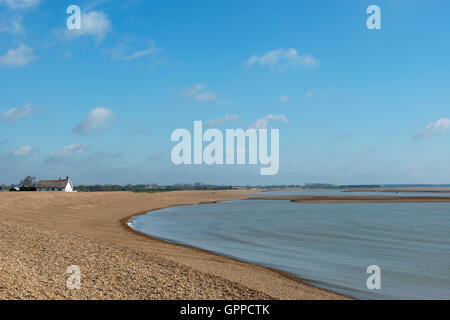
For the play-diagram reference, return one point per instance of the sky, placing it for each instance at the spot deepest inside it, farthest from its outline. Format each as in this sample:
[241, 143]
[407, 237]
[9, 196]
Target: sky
[353, 105]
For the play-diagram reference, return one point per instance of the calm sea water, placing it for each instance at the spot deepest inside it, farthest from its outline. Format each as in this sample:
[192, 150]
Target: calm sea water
[329, 245]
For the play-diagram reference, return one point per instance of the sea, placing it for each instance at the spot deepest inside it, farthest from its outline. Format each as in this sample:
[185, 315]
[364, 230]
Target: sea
[335, 246]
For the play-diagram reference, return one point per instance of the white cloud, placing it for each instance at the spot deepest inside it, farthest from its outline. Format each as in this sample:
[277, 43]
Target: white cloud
[15, 114]
[282, 60]
[198, 93]
[263, 123]
[18, 57]
[221, 121]
[23, 151]
[97, 120]
[285, 98]
[142, 53]
[68, 151]
[440, 126]
[20, 4]
[93, 23]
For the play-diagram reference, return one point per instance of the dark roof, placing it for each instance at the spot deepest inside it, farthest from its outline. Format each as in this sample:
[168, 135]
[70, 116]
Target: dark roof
[28, 189]
[49, 184]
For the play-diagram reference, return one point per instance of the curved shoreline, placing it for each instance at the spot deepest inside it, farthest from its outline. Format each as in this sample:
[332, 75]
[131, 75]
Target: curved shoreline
[126, 223]
[43, 233]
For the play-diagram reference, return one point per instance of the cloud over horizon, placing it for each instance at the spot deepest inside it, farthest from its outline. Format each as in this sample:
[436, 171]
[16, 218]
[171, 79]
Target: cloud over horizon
[437, 127]
[97, 120]
[67, 152]
[16, 114]
[23, 151]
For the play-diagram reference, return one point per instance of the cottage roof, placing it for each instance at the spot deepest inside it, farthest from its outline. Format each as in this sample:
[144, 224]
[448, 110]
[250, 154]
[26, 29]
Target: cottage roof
[50, 184]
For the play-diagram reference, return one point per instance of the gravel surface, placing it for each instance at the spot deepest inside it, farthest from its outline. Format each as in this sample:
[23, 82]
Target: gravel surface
[42, 234]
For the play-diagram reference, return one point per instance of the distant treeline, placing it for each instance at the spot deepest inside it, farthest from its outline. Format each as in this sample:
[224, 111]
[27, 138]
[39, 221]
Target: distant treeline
[362, 186]
[148, 188]
[334, 186]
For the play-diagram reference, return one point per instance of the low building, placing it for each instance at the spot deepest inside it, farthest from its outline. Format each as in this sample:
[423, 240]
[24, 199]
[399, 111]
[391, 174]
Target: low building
[27, 189]
[55, 185]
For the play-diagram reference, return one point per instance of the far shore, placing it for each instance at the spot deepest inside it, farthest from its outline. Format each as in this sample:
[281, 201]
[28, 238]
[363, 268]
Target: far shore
[43, 233]
[355, 199]
[411, 189]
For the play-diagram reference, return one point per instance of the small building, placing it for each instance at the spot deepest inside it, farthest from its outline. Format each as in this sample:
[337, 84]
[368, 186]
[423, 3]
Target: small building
[27, 189]
[55, 185]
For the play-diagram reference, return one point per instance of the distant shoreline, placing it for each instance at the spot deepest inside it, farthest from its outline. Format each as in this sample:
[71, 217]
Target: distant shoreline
[355, 199]
[412, 189]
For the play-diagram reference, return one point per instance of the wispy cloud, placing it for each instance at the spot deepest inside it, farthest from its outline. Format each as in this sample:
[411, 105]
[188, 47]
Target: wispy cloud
[19, 57]
[198, 93]
[130, 47]
[23, 151]
[67, 152]
[440, 126]
[11, 24]
[227, 119]
[263, 123]
[20, 4]
[97, 120]
[16, 114]
[93, 23]
[283, 60]
[285, 98]
[142, 53]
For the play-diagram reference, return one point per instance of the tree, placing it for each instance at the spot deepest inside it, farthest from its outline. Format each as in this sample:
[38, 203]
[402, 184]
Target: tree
[28, 181]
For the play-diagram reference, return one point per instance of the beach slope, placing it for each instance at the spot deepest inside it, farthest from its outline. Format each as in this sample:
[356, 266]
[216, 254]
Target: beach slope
[42, 234]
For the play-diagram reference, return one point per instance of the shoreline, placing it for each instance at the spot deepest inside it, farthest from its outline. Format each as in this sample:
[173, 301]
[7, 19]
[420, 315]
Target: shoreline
[126, 223]
[355, 199]
[43, 233]
[405, 190]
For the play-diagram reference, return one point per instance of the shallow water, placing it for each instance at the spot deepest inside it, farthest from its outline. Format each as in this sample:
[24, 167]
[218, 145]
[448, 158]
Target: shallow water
[329, 244]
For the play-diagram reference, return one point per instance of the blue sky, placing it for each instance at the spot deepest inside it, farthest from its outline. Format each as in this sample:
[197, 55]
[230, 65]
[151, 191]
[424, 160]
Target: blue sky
[353, 105]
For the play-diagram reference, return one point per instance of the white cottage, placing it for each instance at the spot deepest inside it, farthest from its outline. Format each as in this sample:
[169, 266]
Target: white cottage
[55, 185]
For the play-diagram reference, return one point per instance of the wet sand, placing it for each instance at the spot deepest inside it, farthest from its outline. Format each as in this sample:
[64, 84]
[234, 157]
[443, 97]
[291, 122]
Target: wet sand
[43, 233]
[356, 199]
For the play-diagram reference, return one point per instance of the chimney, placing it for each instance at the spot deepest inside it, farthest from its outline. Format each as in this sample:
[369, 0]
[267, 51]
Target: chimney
[67, 178]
